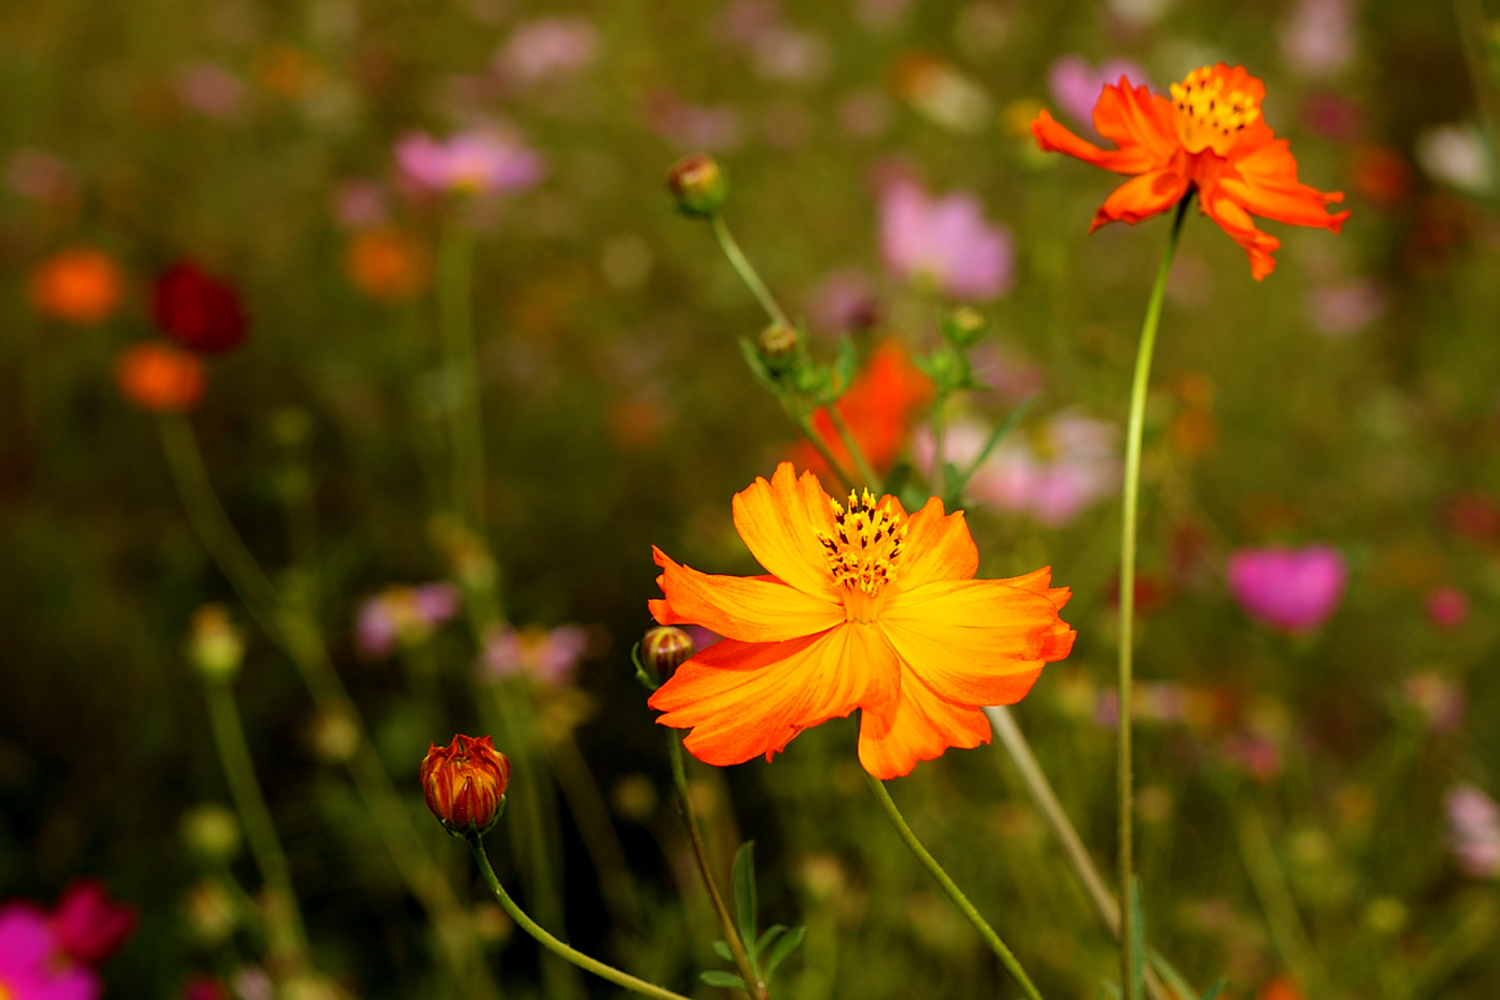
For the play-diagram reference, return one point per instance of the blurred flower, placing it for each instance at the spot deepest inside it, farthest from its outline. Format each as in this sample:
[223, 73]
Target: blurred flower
[844, 301]
[1447, 607]
[698, 184]
[159, 377]
[822, 635]
[548, 655]
[548, 47]
[1210, 138]
[1318, 39]
[387, 264]
[1438, 698]
[1280, 988]
[212, 832]
[464, 783]
[881, 15]
[360, 204]
[31, 967]
[878, 409]
[1458, 156]
[1139, 12]
[1381, 175]
[215, 646]
[1474, 824]
[479, 161]
[1290, 589]
[787, 54]
[715, 128]
[210, 89]
[1054, 473]
[89, 926]
[1256, 753]
[41, 177]
[253, 983]
[1076, 86]
[200, 312]
[865, 113]
[80, 285]
[942, 94]
[1342, 309]
[1473, 515]
[206, 988]
[945, 242]
[664, 649]
[405, 614]
[1330, 116]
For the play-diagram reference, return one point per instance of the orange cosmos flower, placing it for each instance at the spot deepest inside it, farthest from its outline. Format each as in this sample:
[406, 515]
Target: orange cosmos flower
[160, 377]
[865, 608]
[879, 408]
[1208, 138]
[80, 285]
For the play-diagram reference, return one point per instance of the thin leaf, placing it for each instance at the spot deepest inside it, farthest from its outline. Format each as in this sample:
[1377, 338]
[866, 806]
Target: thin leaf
[1176, 980]
[1213, 991]
[722, 950]
[770, 935]
[1137, 941]
[728, 980]
[744, 892]
[785, 946]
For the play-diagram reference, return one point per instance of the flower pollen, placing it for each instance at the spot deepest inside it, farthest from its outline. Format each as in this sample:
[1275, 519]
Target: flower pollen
[1209, 116]
[863, 549]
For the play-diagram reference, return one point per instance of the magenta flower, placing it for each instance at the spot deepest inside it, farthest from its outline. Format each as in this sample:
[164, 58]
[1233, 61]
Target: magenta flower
[31, 965]
[90, 926]
[1474, 824]
[479, 161]
[1290, 589]
[548, 47]
[405, 614]
[550, 656]
[1076, 85]
[944, 241]
[1447, 607]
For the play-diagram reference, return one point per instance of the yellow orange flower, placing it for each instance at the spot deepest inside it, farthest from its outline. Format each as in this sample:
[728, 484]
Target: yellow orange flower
[160, 377]
[80, 285]
[387, 264]
[1210, 137]
[864, 608]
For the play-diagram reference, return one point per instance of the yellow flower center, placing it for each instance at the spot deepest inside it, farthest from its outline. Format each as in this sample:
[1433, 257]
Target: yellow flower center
[862, 551]
[1209, 116]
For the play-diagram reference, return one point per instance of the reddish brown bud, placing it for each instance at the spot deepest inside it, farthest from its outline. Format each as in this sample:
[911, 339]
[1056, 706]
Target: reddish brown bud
[664, 649]
[465, 784]
[698, 184]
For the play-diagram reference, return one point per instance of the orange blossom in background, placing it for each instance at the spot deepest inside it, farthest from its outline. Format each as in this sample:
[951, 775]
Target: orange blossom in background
[1209, 138]
[878, 408]
[81, 285]
[159, 377]
[864, 608]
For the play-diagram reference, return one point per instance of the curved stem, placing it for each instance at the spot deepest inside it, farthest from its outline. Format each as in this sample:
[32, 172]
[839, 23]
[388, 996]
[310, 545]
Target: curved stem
[758, 989]
[954, 892]
[747, 272]
[856, 453]
[1129, 978]
[555, 946]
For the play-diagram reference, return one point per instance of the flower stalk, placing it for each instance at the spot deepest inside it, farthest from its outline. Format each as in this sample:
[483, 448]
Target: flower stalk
[465, 424]
[746, 270]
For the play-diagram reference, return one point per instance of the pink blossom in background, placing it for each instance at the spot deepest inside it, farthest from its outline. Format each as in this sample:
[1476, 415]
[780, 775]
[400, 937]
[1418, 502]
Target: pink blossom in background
[548, 47]
[89, 926]
[31, 965]
[789, 55]
[1256, 753]
[1054, 473]
[695, 127]
[1332, 117]
[210, 90]
[403, 614]
[865, 113]
[1447, 607]
[1339, 310]
[743, 22]
[945, 241]
[550, 656]
[1438, 698]
[1291, 589]
[361, 204]
[844, 301]
[1318, 39]
[41, 177]
[1474, 825]
[479, 161]
[1009, 374]
[1076, 85]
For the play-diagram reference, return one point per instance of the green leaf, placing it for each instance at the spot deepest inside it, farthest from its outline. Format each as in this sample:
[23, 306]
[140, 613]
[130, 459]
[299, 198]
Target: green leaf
[1137, 941]
[1176, 980]
[956, 486]
[1213, 991]
[728, 980]
[722, 950]
[743, 877]
[766, 938]
[757, 365]
[784, 946]
[845, 367]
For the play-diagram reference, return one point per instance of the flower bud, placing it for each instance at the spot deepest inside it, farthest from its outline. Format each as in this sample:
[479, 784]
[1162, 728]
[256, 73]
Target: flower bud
[778, 344]
[663, 649]
[215, 646]
[699, 185]
[465, 784]
[964, 326]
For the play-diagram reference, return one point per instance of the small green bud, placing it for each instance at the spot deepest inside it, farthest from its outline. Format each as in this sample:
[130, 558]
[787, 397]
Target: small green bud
[699, 185]
[964, 326]
[215, 646]
[779, 344]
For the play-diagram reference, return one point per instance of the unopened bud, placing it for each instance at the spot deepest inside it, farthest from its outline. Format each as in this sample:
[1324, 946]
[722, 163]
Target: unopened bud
[212, 832]
[778, 343]
[465, 783]
[965, 326]
[699, 185]
[215, 646]
[664, 649]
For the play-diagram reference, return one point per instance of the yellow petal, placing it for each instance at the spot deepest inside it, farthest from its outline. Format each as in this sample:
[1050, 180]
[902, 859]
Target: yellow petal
[780, 520]
[937, 547]
[921, 726]
[752, 609]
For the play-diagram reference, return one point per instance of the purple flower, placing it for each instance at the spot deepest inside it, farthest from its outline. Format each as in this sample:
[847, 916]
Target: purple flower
[32, 967]
[479, 161]
[550, 656]
[548, 47]
[945, 241]
[1474, 822]
[1291, 589]
[405, 614]
[1076, 85]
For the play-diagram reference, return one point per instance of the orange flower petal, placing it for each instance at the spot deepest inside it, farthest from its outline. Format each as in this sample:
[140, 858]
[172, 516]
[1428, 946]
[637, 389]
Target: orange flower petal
[1137, 120]
[779, 521]
[1142, 197]
[937, 547]
[1052, 137]
[746, 699]
[977, 603]
[920, 726]
[1235, 221]
[1267, 186]
[751, 609]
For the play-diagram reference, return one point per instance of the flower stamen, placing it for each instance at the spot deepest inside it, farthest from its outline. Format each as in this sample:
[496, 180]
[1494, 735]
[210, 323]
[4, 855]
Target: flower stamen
[1210, 116]
[863, 549]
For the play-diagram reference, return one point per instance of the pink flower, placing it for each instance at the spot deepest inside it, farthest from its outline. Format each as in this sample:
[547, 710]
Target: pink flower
[210, 89]
[1474, 823]
[405, 614]
[1291, 589]
[1076, 85]
[550, 656]
[360, 204]
[945, 241]
[479, 161]
[1339, 310]
[88, 925]
[707, 128]
[548, 47]
[31, 965]
[1447, 607]
[41, 177]
[1318, 40]
[843, 301]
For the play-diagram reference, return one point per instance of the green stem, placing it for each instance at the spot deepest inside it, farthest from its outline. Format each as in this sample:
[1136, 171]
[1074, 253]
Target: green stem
[465, 422]
[807, 430]
[286, 934]
[555, 946]
[1129, 978]
[954, 892]
[939, 464]
[856, 453]
[758, 988]
[747, 272]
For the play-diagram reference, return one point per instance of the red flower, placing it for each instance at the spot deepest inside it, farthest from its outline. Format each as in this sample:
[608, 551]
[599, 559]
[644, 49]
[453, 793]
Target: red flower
[1210, 137]
[88, 925]
[200, 312]
[465, 783]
